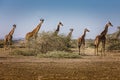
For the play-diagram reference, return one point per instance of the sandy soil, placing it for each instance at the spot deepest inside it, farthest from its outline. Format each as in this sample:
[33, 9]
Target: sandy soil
[87, 68]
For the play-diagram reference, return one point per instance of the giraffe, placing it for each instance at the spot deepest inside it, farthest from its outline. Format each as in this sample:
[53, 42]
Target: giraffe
[8, 37]
[33, 34]
[118, 34]
[81, 40]
[70, 33]
[102, 38]
[58, 28]
[69, 37]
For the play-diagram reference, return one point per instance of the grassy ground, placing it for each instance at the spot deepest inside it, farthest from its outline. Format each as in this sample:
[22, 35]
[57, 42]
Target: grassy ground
[86, 67]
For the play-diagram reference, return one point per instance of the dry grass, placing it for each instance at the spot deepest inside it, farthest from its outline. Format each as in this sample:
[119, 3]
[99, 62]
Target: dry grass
[50, 54]
[59, 54]
[61, 69]
[46, 41]
[58, 65]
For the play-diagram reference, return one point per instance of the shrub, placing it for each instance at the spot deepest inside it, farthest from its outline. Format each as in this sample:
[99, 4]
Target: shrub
[24, 53]
[73, 43]
[46, 41]
[1, 43]
[114, 46]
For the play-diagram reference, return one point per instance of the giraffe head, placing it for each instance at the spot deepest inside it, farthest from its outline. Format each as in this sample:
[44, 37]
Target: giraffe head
[118, 27]
[42, 20]
[60, 24]
[14, 25]
[109, 24]
[71, 29]
[86, 30]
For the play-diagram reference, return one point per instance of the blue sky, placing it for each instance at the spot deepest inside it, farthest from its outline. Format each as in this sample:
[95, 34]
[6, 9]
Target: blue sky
[77, 14]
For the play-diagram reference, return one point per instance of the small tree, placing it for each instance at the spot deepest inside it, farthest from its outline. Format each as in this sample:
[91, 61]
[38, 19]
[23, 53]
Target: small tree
[46, 41]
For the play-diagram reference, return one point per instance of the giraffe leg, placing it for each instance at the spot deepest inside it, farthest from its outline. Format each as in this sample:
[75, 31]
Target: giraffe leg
[11, 46]
[79, 48]
[95, 50]
[83, 48]
[4, 47]
[96, 43]
[8, 43]
[8, 46]
[97, 46]
[103, 47]
[5, 44]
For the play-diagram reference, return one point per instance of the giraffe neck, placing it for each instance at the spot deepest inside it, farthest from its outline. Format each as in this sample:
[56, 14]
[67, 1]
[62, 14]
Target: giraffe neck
[84, 34]
[118, 34]
[70, 34]
[12, 31]
[119, 30]
[58, 28]
[105, 30]
[37, 28]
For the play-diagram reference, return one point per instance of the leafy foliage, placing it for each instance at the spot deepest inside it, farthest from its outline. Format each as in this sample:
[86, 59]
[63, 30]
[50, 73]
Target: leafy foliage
[24, 53]
[46, 41]
[114, 45]
[1, 43]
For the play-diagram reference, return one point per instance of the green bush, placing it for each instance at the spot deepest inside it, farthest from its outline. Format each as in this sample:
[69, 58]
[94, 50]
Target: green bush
[73, 43]
[90, 43]
[50, 54]
[24, 53]
[1, 43]
[114, 46]
[46, 41]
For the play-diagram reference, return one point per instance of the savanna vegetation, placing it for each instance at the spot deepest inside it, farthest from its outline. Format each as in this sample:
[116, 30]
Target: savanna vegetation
[49, 45]
[52, 57]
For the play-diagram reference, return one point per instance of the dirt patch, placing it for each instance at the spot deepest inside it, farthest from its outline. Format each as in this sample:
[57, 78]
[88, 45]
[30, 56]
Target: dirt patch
[89, 67]
[60, 69]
